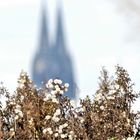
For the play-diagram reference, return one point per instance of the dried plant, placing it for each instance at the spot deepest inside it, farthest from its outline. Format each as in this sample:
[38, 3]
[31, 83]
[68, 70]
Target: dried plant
[46, 114]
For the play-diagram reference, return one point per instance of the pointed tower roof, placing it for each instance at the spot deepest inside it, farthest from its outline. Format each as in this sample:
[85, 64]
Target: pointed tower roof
[42, 55]
[44, 37]
[60, 41]
[61, 63]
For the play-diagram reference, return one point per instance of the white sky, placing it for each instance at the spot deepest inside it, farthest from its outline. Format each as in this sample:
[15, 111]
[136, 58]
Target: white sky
[96, 36]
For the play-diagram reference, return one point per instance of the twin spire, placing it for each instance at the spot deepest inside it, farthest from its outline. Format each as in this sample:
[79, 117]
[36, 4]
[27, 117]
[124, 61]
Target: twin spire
[53, 60]
[44, 34]
[44, 30]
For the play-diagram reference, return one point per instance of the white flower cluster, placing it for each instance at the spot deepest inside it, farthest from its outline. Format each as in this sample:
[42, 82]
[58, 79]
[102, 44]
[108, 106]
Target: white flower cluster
[49, 130]
[77, 111]
[60, 131]
[69, 135]
[51, 97]
[55, 117]
[21, 98]
[12, 103]
[61, 127]
[102, 107]
[56, 87]
[22, 81]
[110, 97]
[18, 112]
[47, 117]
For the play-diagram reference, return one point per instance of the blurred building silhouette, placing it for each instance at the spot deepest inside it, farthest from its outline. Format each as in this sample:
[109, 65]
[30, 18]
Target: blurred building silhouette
[52, 60]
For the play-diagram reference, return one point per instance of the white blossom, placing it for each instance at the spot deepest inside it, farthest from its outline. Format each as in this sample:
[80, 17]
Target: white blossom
[75, 115]
[20, 114]
[128, 120]
[48, 97]
[65, 125]
[66, 85]
[58, 89]
[18, 106]
[45, 99]
[50, 81]
[11, 129]
[16, 117]
[60, 127]
[65, 89]
[110, 97]
[53, 92]
[49, 130]
[50, 84]
[55, 119]
[117, 86]
[57, 112]
[71, 132]
[21, 97]
[81, 120]
[70, 137]
[12, 103]
[56, 134]
[63, 136]
[60, 131]
[44, 131]
[102, 107]
[124, 114]
[61, 92]
[54, 100]
[57, 81]
[17, 111]
[47, 117]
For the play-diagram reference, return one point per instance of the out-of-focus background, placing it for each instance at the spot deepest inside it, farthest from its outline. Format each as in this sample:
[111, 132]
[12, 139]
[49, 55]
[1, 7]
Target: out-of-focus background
[97, 33]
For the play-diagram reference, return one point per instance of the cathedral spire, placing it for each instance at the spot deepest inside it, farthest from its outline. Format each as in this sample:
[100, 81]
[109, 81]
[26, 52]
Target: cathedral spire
[60, 42]
[43, 53]
[44, 37]
[62, 66]
[53, 62]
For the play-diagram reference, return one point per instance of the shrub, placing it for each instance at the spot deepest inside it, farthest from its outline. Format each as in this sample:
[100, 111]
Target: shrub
[46, 114]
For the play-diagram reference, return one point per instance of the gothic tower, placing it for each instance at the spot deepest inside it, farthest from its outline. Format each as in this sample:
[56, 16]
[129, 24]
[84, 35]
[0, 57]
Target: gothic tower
[64, 67]
[41, 60]
[53, 61]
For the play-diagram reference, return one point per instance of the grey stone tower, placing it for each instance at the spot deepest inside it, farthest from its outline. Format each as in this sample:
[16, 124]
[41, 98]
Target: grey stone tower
[53, 61]
[41, 60]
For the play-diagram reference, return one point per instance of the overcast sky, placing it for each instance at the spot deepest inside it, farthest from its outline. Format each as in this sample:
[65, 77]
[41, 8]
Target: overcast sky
[96, 35]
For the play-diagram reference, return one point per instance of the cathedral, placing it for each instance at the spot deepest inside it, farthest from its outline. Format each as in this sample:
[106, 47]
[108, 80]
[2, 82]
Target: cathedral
[52, 60]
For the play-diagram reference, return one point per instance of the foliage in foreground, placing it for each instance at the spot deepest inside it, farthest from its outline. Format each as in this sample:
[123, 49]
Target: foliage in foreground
[46, 114]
